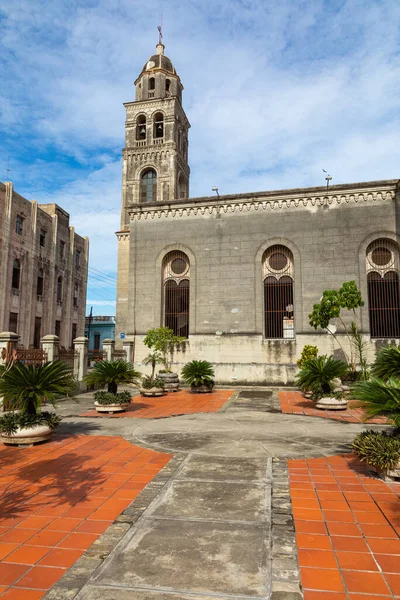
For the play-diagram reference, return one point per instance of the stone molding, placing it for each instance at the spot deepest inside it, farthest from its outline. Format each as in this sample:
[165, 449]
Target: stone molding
[122, 235]
[211, 206]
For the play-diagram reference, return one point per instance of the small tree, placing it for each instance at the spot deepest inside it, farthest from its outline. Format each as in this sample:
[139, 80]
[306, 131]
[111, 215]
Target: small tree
[163, 340]
[348, 297]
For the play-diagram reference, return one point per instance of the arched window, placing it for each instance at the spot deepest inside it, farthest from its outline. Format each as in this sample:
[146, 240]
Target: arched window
[182, 187]
[141, 127]
[76, 294]
[383, 289]
[278, 275]
[176, 287]
[16, 274]
[39, 287]
[148, 186]
[167, 86]
[158, 125]
[59, 290]
[152, 83]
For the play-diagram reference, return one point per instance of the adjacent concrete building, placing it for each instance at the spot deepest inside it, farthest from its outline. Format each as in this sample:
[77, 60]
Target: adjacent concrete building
[43, 271]
[97, 329]
[238, 274]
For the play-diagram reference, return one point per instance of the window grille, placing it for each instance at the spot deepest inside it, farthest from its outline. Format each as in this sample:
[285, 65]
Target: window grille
[39, 288]
[16, 274]
[19, 224]
[148, 186]
[42, 238]
[176, 292]
[382, 265]
[278, 275]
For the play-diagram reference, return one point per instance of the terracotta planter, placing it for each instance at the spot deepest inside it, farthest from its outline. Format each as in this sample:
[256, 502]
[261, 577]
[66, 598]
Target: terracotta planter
[151, 392]
[201, 389]
[328, 403]
[110, 408]
[27, 436]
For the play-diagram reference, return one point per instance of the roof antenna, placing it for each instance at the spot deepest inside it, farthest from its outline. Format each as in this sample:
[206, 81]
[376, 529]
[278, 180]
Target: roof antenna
[328, 178]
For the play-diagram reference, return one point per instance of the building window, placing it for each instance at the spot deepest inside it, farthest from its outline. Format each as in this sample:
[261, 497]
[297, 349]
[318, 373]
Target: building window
[181, 187]
[148, 186]
[62, 250]
[167, 86]
[176, 289]
[59, 290]
[96, 342]
[13, 322]
[383, 268]
[76, 293]
[77, 258]
[278, 275]
[158, 125]
[16, 274]
[19, 224]
[37, 332]
[152, 83]
[73, 336]
[58, 328]
[39, 287]
[42, 237]
[141, 127]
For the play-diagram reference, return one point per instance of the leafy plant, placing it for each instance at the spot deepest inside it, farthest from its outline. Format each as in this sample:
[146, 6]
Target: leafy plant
[163, 340]
[387, 363]
[378, 448]
[360, 346]
[12, 421]
[318, 375]
[111, 374]
[307, 353]
[379, 398]
[198, 373]
[105, 398]
[26, 388]
[348, 297]
[150, 382]
[153, 359]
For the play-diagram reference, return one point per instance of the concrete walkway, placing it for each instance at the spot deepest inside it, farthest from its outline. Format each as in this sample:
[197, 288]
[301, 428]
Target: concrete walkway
[211, 530]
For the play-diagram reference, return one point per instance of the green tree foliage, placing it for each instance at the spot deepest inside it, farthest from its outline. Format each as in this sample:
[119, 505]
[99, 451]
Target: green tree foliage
[318, 375]
[307, 353]
[387, 363]
[154, 358]
[111, 374]
[25, 388]
[198, 372]
[163, 340]
[379, 398]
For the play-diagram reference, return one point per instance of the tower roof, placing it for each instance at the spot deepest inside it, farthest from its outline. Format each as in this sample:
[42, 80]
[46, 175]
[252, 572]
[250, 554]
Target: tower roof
[159, 61]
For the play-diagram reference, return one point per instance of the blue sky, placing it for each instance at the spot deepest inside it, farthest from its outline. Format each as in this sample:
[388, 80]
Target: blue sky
[274, 93]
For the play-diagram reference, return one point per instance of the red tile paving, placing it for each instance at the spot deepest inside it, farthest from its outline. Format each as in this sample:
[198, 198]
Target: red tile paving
[56, 499]
[172, 404]
[294, 403]
[345, 552]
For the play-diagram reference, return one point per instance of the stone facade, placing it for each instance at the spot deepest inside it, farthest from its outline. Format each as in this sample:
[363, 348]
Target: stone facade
[37, 248]
[327, 232]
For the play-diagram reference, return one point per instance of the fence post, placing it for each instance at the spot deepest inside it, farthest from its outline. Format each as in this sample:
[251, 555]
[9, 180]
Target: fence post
[81, 357]
[8, 343]
[51, 345]
[108, 349]
[128, 346]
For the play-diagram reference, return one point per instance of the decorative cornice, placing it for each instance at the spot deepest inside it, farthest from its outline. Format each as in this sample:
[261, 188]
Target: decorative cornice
[122, 235]
[357, 194]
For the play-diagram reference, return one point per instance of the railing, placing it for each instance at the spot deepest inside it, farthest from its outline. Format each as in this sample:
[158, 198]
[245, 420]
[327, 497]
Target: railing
[67, 356]
[31, 356]
[158, 141]
[141, 143]
[151, 95]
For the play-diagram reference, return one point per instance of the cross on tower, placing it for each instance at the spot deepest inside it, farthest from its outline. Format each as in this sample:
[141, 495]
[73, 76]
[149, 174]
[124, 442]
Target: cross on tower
[160, 37]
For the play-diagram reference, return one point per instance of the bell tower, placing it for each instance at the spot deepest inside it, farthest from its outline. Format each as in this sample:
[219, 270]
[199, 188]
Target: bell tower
[155, 157]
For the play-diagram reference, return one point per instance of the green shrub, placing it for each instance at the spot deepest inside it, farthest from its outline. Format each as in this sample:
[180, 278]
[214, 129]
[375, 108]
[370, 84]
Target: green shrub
[387, 363]
[378, 448]
[307, 353]
[11, 422]
[149, 382]
[379, 398]
[111, 374]
[198, 372]
[318, 375]
[105, 398]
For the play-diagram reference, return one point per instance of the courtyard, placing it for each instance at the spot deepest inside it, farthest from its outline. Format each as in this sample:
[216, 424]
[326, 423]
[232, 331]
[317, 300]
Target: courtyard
[232, 497]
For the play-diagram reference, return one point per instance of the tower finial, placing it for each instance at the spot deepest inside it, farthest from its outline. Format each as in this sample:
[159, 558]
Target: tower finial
[160, 35]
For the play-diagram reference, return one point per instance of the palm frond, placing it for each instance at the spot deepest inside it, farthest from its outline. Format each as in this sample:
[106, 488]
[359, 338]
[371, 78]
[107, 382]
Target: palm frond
[198, 372]
[319, 373]
[111, 374]
[379, 398]
[387, 363]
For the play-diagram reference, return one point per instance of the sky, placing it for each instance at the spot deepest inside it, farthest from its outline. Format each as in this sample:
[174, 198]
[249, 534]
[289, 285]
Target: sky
[274, 91]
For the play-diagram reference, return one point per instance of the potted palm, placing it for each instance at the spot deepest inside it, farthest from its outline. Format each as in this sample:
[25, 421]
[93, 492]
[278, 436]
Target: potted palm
[199, 374]
[321, 375]
[111, 374]
[24, 390]
[151, 385]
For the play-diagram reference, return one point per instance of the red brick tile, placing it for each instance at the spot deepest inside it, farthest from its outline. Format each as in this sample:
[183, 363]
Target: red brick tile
[324, 559]
[316, 527]
[42, 578]
[349, 529]
[338, 516]
[78, 541]
[17, 536]
[374, 518]
[47, 538]
[9, 573]
[93, 526]
[378, 531]
[61, 557]
[21, 594]
[63, 524]
[367, 597]
[388, 563]
[35, 522]
[316, 542]
[363, 582]
[321, 579]
[313, 595]
[6, 549]
[382, 546]
[356, 561]
[394, 582]
[349, 544]
[27, 555]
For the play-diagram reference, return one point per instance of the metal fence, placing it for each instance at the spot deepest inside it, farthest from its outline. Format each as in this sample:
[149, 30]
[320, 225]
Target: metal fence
[67, 356]
[31, 356]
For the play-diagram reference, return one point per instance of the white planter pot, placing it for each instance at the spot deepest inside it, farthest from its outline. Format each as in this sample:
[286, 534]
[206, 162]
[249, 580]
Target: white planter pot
[201, 389]
[154, 391]
[111, 408]
[331, 404]
[27, 436]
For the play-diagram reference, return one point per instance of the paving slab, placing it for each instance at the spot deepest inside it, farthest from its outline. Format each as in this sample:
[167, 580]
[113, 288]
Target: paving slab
[105, 593]
[224, 468]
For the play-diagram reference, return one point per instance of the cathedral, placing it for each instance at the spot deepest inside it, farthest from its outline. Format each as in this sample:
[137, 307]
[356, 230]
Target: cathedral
[238, 275]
